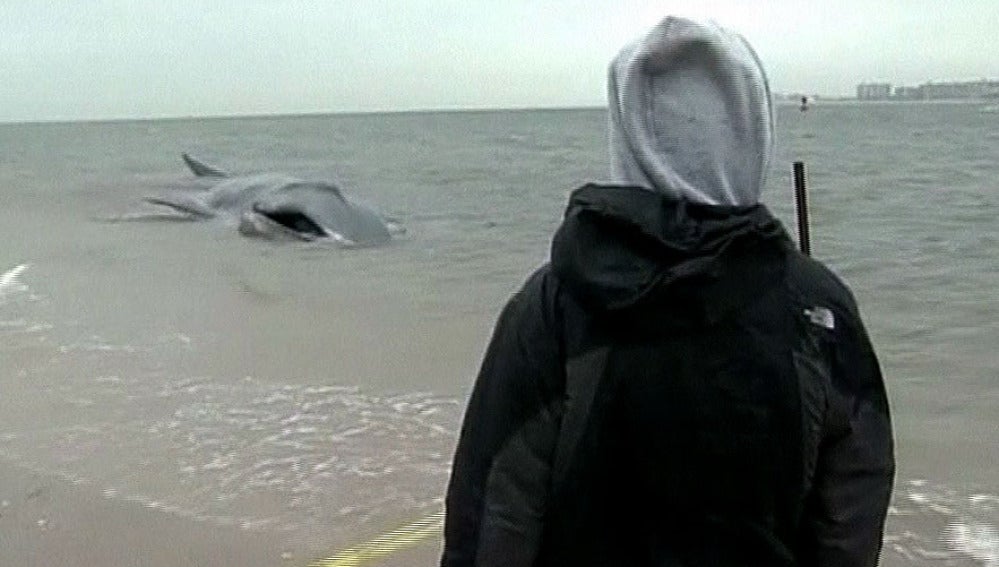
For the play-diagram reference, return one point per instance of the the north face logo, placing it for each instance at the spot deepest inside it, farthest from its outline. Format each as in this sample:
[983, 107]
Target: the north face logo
[822, 317]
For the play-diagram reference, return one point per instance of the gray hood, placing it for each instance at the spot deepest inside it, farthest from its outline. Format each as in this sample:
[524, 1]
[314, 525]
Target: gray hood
[691, 115]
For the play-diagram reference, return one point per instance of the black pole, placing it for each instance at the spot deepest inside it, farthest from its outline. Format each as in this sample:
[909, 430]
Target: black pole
[801, 203]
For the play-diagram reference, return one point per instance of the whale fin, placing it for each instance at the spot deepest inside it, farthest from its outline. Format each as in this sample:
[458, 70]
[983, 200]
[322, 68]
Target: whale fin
[201, 169]
[183, 203]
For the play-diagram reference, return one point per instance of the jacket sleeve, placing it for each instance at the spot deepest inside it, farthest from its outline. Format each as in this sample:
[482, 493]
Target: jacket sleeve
[501, 469]
[845, 514]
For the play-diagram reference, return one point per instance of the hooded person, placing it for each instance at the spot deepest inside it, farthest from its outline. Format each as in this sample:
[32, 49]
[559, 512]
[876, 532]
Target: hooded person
[679, 385]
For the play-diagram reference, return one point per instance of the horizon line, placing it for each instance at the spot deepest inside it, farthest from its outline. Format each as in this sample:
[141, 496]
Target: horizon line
[439, 110]
[291, 114]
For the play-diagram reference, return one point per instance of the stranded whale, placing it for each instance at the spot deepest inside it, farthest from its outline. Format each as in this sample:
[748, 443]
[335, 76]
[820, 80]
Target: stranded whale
[276, 205]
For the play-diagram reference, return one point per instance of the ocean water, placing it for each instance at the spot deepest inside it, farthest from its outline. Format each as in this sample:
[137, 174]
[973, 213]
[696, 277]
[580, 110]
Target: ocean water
[316, 393]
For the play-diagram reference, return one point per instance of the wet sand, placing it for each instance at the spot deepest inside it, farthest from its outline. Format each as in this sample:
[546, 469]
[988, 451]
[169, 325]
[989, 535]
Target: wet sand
[46, 521]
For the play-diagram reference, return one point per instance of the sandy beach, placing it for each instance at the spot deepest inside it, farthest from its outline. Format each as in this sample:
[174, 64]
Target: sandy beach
[47, 521]
[52, 522]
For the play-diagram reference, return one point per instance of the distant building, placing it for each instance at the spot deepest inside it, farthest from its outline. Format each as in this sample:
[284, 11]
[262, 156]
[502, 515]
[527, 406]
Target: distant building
[970, 89]
[909, 93]
[983, 89]
[874, 91]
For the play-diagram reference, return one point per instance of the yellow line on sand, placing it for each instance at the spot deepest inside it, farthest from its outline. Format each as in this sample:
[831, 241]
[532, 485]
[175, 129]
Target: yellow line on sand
[387, 544]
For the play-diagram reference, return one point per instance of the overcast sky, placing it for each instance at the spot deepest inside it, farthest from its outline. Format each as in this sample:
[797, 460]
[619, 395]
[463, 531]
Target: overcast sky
[93, 59]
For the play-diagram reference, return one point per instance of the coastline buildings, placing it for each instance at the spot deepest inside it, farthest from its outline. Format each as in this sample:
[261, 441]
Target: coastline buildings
[983, 89]
[873, 91]
[977, 89]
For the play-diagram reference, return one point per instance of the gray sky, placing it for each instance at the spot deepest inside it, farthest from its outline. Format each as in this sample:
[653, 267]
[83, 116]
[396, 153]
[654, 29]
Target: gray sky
[87, 59]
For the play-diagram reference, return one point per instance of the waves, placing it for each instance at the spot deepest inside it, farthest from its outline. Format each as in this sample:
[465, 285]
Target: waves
[282, 457]
[932, 523]
[10, 282]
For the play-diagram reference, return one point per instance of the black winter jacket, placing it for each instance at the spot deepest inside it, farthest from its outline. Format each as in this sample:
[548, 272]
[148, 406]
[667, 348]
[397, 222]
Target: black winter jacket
[679, 387]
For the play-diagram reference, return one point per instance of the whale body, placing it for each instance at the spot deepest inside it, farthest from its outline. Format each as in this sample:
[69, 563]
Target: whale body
[275, 205]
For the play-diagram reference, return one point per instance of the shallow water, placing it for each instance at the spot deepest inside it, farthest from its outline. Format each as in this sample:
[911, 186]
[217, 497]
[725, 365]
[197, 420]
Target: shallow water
[316, 392]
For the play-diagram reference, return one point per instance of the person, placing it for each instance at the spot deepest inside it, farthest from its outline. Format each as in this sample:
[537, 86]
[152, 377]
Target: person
[678, 386]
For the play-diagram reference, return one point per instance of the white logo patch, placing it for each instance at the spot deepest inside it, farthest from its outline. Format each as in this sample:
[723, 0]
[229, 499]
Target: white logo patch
[822, 317]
